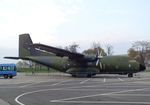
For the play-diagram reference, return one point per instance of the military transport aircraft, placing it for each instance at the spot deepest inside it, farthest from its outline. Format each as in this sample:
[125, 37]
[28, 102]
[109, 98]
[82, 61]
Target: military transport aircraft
[76, 64]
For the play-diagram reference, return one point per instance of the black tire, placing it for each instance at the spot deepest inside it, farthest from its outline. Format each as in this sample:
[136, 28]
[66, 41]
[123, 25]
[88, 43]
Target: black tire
[11, 76]
[130, 75]
[89, 75]
[6, 76]
[74, 75]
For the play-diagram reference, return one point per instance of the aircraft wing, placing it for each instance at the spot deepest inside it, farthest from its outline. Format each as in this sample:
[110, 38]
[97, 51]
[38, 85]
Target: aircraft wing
[58, 51]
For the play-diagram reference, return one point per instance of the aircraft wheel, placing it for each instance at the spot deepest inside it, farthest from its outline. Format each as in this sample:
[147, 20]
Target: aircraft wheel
[89, 75]
[130, 75]
[74, 75]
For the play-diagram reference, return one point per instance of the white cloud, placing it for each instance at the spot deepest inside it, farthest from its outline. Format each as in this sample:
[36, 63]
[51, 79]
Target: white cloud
[70, 7]
[39, 18]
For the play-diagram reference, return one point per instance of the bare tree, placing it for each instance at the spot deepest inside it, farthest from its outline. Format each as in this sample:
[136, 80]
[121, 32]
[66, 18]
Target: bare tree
[142, 46]
[109, 49]
[66, 48]
[72, 48]
[95, 48]
[140, 51]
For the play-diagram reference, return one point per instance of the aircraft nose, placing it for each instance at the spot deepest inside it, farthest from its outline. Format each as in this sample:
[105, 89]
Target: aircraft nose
[142, 67]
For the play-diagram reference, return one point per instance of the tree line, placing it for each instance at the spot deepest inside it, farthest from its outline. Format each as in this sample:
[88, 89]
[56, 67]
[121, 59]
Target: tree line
[140, 51]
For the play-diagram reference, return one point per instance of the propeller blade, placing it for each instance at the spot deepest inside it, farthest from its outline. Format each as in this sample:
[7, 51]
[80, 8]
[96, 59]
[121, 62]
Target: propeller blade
[97, 62]
[99, 56]
[100, 65]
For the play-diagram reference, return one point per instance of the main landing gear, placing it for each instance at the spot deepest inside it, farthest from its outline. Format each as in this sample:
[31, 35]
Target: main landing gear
[83, 75]
[130, 75]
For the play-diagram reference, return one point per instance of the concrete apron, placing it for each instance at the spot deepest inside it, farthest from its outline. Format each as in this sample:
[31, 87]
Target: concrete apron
[2, 102]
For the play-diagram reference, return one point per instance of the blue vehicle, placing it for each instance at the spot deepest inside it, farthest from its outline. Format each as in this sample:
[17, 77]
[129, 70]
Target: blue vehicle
[8, 70]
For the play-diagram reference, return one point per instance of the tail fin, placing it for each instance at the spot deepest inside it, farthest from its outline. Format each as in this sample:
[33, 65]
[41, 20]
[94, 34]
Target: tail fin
[25, 48]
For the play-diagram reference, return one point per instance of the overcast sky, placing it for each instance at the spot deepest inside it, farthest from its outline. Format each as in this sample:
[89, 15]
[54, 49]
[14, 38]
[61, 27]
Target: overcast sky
[62, 22]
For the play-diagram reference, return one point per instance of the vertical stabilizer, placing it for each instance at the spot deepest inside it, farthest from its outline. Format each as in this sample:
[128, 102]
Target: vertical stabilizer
[25, 43]
[26, 48]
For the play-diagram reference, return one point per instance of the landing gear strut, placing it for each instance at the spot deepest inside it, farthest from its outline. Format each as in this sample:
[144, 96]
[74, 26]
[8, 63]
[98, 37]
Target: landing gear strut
[130, 75]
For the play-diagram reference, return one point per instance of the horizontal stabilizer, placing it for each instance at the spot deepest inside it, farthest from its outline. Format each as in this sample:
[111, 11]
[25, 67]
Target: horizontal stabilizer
[16, 58]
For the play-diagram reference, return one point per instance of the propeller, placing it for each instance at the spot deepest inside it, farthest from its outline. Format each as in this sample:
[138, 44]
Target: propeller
[98, 57]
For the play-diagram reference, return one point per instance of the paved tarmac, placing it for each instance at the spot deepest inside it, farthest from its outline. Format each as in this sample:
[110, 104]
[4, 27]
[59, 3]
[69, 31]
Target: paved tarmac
[60, 89]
